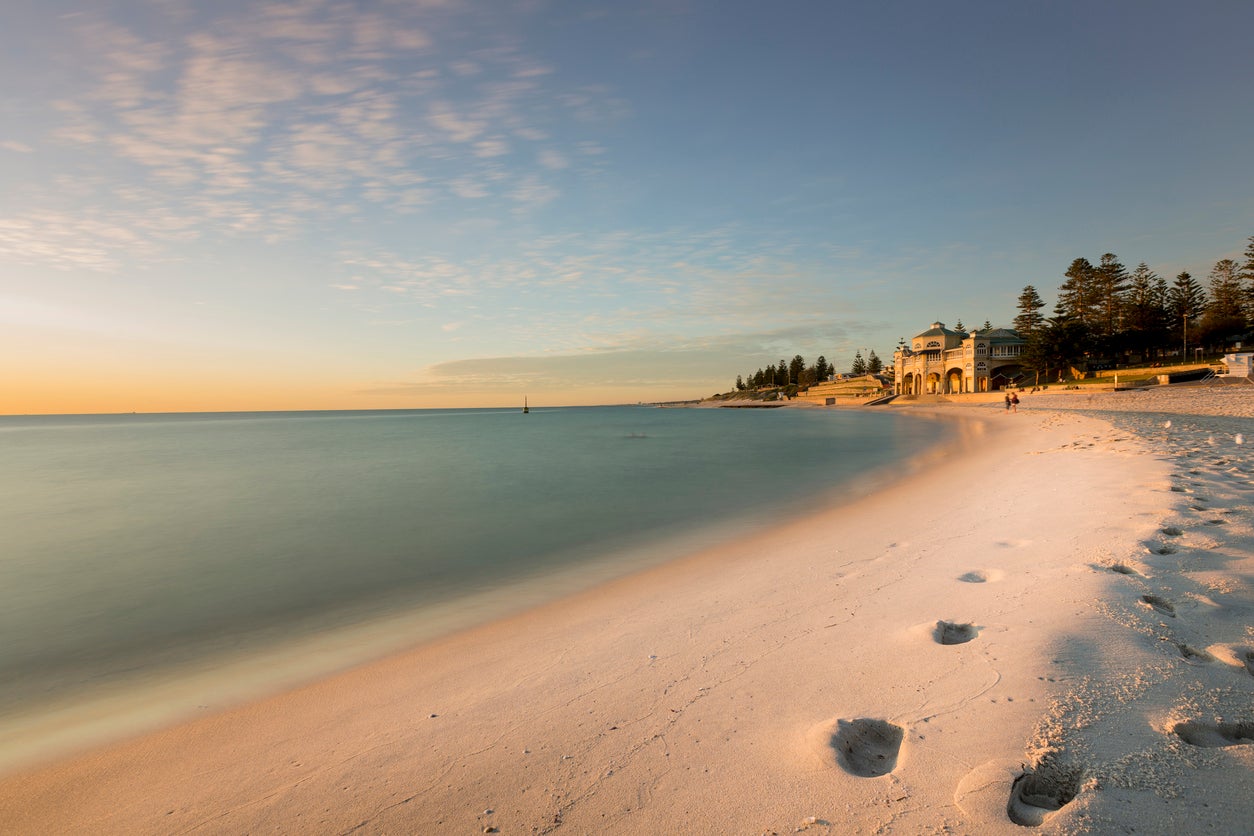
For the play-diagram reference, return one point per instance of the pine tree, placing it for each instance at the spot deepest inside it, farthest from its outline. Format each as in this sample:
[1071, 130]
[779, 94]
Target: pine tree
[959, 327]
[781, 374]
[1225, 315]
[1030, 318]
[1145, 311]
[740, 383]
[1110, 282]
[859, 365]
[1224, 284]
[874, 365]
[1247, 279]
[821, 369]
[795, 368]
[988, 326]
[1077, 296]
[1059, 345]
[1186, 301]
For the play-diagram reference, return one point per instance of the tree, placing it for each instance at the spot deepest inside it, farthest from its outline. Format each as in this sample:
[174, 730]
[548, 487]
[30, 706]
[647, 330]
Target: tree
[988, 326]
[959, 327]
[1145, 311]
[1185, 302]
[795, 368]
[1110, 281]
[740, 383]
[859, 365]
[1225, 315]
[1059, 345]
[821, 369]
[1225, 289]
[1247, 279]
[1030, 319]
[874, 365]
[781, 374]
[1077, 295]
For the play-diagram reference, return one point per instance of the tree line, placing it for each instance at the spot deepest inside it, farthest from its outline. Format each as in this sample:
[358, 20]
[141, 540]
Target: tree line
[1106, 315]
[796, 373]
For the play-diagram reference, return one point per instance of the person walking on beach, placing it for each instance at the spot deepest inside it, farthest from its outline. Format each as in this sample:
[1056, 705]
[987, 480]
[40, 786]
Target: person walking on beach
[1007, 401]
[1014, 402]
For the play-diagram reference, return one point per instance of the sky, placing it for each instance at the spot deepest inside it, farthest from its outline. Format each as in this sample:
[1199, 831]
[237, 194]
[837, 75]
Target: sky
[442, 203]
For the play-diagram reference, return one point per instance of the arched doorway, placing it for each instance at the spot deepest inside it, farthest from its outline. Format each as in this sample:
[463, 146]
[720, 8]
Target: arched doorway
[953, 381]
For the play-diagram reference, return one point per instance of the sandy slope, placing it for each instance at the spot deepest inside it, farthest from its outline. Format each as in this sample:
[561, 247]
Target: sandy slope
[888, 667]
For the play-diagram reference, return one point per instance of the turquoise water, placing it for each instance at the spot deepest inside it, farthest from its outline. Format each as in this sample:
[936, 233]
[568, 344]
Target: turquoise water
[136, 542]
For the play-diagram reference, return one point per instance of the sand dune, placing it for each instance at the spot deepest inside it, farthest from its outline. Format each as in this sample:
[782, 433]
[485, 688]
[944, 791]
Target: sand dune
[1052, 630]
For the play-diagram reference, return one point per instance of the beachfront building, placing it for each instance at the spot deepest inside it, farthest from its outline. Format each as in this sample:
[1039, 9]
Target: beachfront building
[943, 362]
[1240, 364]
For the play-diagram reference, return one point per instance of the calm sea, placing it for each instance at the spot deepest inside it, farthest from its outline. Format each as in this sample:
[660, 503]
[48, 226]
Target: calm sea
[135, 544]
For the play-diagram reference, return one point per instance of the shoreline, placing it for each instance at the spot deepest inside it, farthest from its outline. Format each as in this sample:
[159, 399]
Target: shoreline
[706, 694]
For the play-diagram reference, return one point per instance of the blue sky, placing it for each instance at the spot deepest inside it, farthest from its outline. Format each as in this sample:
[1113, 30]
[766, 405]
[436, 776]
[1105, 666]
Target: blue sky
[235, 205]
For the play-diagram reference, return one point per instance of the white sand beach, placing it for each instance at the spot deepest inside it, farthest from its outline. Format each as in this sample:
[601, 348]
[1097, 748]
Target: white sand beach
[1068, 598]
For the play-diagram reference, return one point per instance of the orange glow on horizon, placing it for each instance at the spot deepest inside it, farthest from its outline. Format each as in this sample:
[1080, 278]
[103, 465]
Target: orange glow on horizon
[101, 395]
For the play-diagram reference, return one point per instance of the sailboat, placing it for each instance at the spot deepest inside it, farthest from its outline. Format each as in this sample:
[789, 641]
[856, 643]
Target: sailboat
[526, 409]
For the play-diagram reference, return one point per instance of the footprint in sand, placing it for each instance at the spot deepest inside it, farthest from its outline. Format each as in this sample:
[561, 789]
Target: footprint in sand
[949, 632]
[1165, 549]
[1247, 658]
[1037, 794]
[976, 576]
[867, 748]
[1214, 735]
[1192, 654]
[1123, 569]
[1172, 531]
[1159, 604]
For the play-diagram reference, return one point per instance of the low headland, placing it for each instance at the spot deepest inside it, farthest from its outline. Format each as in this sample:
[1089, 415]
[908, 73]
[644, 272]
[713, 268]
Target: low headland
[1050, 628]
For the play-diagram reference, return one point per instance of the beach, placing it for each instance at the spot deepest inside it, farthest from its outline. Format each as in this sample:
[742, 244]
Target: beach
[1051, 628]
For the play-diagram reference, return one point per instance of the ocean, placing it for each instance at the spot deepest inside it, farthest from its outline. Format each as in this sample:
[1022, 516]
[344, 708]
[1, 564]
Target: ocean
[138, 548]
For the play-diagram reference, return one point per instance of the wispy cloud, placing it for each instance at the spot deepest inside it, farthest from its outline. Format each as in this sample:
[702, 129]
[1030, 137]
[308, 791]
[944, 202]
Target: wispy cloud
[690, 365]
[576, 292]
[268, 119]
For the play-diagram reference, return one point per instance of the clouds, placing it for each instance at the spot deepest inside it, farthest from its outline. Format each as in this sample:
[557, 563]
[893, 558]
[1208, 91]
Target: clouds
[576, 292]
[296, 114]
[638, 370]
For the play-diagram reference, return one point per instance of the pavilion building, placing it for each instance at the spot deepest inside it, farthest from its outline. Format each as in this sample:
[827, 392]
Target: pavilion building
[943, 362]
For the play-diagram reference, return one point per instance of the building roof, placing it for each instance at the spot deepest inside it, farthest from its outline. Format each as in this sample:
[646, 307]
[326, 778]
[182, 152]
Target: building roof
[938, 329]
[1003, 335]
